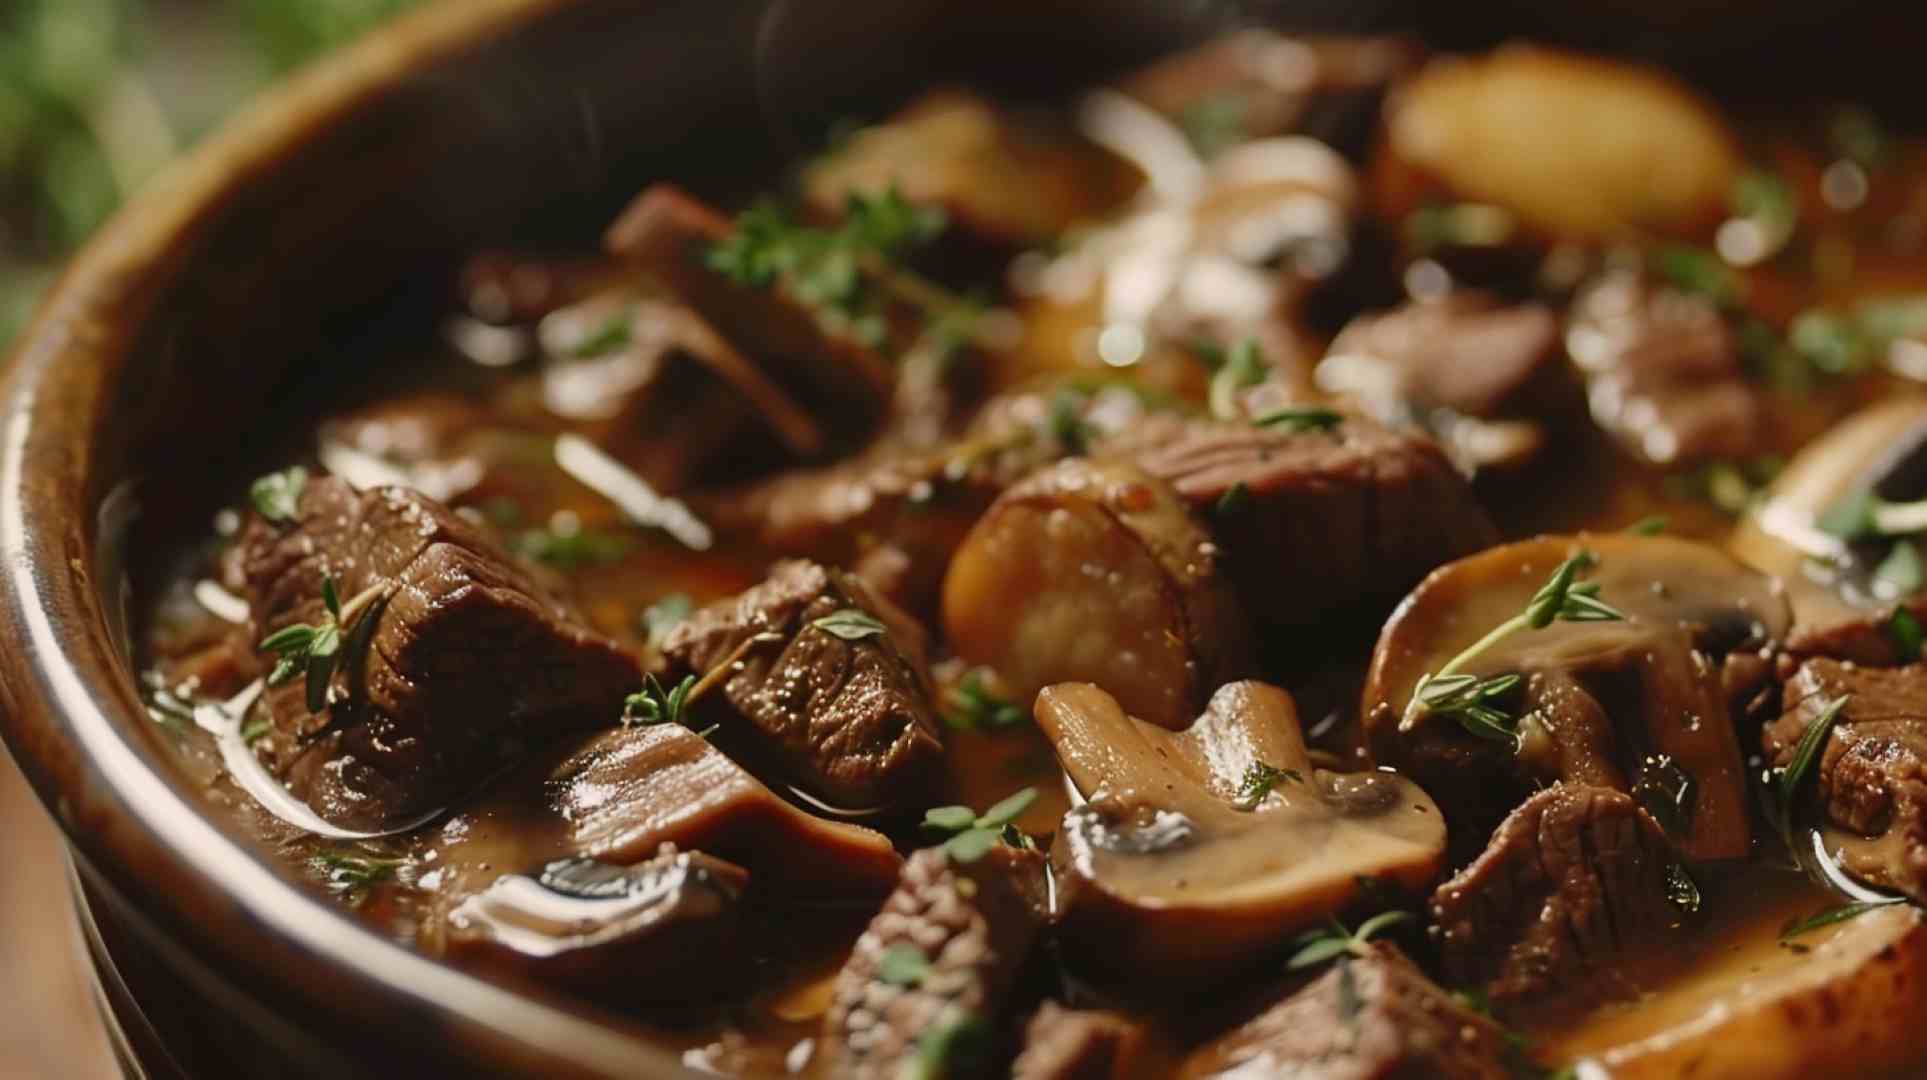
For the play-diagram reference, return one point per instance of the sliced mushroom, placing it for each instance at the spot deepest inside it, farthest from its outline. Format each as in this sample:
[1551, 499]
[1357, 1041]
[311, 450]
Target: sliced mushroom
[625, 932]
[1574, 145]
[1194, 850]
[1644, 705]
[1842, 606]
[1096, 571]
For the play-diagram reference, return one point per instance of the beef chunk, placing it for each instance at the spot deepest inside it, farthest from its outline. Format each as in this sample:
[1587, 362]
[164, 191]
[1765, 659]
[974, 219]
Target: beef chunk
[1573, 877]
[944, 951]
[1663, 371]
[624, 933]
[1872, 768]
[1077, 1044]
[1481, 376]
[848, 718]
[826, 369]
[1318, 523]
[469, 657]
[1375, 1017]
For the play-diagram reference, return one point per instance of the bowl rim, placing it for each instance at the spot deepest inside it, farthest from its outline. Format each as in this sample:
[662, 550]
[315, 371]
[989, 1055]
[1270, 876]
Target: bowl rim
[69, 708]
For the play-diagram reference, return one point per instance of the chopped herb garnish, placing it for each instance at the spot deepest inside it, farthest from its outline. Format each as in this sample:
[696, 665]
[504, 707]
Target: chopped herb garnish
[351, 874]
[616, 332]
[1763, 196]
[1732, 486]
[1652, 525]
[903, 964]
[1834, 915]
[1315, 947]
[1067, 423]
[1563, 598]
[1215, 123]
[971, 835]
[317, 650]
[665, 615]
[567, 546]
[1244, 367]
[277, 495]
[973, 705]
[1302, 418]
[1697, 270]
[1904, 631]
[655, 705]
[1236, 500]
[1260, 777]
[850, 624]
[959, 1046]
[1786, 781]
[1448, 225]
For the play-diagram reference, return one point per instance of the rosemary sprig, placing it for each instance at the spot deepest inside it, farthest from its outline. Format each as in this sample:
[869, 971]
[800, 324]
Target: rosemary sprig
[318, 649]
[1787, 780]
[1333, 942]
[1563, 598]
[1260, 777]
[1834, 915]
[350, 874]
[970, 835]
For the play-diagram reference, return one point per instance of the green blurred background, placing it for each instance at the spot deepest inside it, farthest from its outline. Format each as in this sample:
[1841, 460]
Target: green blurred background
[96, 95]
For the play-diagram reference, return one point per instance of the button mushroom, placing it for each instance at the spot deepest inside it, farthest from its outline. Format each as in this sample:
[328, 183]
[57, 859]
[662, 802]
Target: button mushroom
[1096, 571]
[1836, 527]
[1642, 702]
[1192, 850]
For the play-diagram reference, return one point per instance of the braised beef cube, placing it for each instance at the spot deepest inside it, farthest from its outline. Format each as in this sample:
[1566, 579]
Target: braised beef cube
[657, 387]
[937, 962]
[469, 657]
[1255, 83]
[831, 682]
[1483, 377]
[1572, 880]
[1004, 181]
[1374, 1017]
[1872, 769]
[624, 934]
[1326, 518]
[829, 371]
[1078, 1044]
[1663, 371]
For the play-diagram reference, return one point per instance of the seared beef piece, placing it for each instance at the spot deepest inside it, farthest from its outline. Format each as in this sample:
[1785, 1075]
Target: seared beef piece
[470, 657]
[624, 934]
[1481, 376]
[1373, 1017]
[971, 924]
[832, 374]
[1077, 1044]
[849, 719]
[1001, 180]
[1873, 768]
[1255, 83]
[1315, 524]
[1572, 878]
[1663, 371]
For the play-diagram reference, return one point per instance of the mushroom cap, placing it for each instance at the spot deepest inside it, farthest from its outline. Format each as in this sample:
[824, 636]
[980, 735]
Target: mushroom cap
[1163, 867]
[1603, 700]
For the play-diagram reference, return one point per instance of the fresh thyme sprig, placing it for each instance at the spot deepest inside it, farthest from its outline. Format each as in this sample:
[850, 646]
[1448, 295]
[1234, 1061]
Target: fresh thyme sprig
[975, 705]
[1563, 598]
[1260, 777]
[656, 704]
[319, 649]
[839, 272]
[1333, 942]
[970, 835]
[351, 873]
[1785, 782]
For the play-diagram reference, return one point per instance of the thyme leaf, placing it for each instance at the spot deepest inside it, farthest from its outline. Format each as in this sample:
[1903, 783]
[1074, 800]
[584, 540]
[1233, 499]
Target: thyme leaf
[1244, 367]
[975, 706]
[316, 650]
[665, 615]
[1904, 632]
[969, 836]
[1299, 419]
[850, 624]
[1315, 947]
[277, 496]
[655, 705]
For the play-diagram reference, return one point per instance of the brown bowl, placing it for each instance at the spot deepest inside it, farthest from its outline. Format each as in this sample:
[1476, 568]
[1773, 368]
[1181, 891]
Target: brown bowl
[316, 230]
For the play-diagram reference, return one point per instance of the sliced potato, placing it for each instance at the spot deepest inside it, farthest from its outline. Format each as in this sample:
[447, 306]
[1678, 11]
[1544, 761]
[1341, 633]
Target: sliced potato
[1576, 146]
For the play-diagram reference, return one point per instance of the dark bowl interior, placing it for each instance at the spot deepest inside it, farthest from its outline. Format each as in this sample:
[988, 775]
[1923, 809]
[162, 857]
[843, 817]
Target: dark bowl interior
[317, 236]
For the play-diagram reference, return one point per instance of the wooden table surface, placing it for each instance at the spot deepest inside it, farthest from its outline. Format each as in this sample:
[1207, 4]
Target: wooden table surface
[48, 1027]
